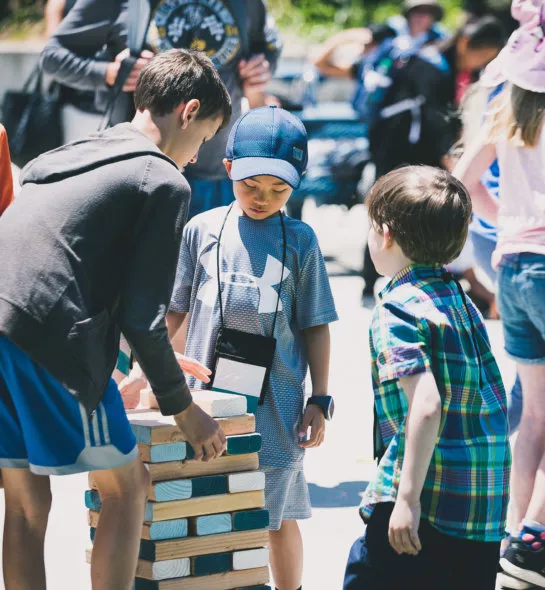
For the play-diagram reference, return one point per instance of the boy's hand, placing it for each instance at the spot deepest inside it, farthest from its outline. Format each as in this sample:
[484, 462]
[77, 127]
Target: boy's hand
[202, 432]
[193, 367]
[403, 529]
[314, 419]
[131, 386]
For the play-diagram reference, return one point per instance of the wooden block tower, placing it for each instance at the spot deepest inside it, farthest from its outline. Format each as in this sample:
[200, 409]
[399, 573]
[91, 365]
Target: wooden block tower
[205, 525]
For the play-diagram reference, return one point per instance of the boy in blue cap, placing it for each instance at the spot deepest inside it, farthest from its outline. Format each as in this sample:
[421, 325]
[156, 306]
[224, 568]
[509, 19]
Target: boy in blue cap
[251, 280]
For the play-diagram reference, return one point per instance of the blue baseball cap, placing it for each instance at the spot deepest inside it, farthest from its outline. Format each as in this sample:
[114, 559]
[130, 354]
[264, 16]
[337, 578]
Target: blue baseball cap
[268, 141]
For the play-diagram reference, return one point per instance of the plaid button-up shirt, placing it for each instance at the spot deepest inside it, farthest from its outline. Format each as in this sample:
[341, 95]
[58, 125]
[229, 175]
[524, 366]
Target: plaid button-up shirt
[422, 324]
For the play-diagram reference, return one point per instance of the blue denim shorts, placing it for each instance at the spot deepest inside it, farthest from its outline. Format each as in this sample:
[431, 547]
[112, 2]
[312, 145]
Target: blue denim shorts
[521, 288]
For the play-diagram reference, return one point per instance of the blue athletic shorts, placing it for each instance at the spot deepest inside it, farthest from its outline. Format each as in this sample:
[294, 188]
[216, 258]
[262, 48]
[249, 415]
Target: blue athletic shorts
[43, 427]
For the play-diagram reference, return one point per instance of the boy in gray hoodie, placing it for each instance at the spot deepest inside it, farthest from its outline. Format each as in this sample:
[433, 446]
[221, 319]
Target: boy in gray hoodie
[89, 250]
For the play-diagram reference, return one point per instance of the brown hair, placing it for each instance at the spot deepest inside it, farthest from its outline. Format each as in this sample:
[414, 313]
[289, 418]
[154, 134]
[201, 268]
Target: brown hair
[177, 76]
[427, 210]
[517, 116]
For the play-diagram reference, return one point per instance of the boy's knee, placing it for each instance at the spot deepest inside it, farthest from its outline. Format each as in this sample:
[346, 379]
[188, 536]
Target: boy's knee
[29, 504]
[129, 486]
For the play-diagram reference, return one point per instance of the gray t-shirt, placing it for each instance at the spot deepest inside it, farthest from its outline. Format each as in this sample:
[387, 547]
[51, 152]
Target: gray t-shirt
[251, 267]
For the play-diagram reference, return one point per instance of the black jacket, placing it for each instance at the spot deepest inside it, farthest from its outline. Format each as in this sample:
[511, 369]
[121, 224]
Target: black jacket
[90, 248]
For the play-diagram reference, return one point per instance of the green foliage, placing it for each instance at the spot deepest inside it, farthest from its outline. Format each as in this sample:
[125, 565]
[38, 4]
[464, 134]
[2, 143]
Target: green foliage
[314, 20]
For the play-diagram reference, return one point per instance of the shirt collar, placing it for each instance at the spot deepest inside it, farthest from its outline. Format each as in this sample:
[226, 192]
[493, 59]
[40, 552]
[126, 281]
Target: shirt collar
[412, 273]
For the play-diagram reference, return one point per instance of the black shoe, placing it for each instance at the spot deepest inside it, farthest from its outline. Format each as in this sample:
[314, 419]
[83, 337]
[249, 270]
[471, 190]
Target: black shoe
[525, 560]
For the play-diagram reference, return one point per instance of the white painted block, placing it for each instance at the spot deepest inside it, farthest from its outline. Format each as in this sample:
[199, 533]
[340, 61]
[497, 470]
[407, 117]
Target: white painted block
[246, 482]
[220, 405]
[247, 560]
[171, 568]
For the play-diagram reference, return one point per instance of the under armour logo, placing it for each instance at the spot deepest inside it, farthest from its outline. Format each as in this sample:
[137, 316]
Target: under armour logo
[268, 296]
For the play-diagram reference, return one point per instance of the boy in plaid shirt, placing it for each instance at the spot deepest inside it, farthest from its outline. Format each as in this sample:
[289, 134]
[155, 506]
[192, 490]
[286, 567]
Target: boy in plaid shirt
[436, 510]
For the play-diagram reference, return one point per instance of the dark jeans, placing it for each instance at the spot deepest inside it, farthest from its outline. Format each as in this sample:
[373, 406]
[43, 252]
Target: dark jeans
[444, 563]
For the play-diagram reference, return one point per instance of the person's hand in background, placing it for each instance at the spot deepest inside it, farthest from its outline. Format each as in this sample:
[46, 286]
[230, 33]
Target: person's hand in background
[112, 69]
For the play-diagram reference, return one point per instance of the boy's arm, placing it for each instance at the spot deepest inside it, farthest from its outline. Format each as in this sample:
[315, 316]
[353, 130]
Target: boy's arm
[421, 432]
[317, 342]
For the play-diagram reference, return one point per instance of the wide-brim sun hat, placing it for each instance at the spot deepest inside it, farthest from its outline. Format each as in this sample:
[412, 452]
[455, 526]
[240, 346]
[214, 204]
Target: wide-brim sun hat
[522, 60]
[433, 6]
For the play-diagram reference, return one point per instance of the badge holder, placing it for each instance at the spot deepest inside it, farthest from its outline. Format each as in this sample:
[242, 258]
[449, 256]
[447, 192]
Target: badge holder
[243, 361]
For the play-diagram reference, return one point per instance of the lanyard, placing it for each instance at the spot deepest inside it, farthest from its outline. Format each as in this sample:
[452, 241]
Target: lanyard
[284, 248]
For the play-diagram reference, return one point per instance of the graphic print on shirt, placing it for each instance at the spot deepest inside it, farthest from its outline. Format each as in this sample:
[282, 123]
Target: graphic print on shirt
[205, 25]
[268, 296]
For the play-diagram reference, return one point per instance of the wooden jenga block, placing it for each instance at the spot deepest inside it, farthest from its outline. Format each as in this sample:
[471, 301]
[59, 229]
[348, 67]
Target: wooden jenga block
[152, 428]
[162, 453]
[250, 559]
[237, 445]
[213, 524]
[250, 520]
[188, 469]
[243, 579]
[206, 565]
[214, 403]
[260, 587]
[245, 482]
[92, 500]
[156, 511]
[164, 570]
[181, 489]
[155, 531]
[194, 546]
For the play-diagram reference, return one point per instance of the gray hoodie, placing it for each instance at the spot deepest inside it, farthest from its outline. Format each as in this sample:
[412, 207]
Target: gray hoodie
[89, 249]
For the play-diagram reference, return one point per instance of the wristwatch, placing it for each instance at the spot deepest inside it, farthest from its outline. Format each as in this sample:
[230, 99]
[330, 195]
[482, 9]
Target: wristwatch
[325, 402]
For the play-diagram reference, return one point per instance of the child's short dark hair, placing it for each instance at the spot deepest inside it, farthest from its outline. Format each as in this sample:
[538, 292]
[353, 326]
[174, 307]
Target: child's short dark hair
[427, 210]
[177, 76]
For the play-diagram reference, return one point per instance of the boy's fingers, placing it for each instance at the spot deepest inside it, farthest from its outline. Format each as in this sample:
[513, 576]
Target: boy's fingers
[415, 539]
[198, 453]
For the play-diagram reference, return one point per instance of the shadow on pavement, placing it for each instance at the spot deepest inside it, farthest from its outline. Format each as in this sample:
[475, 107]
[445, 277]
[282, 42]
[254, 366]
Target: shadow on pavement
[344, 495]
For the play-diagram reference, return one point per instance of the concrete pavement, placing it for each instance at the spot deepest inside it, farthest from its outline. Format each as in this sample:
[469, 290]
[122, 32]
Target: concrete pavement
[336, 472]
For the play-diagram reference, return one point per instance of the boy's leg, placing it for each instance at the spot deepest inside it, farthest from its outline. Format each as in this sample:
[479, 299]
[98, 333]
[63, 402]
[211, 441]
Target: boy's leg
[473, 565]
[286, 549]
[115, 550]
[28, 501]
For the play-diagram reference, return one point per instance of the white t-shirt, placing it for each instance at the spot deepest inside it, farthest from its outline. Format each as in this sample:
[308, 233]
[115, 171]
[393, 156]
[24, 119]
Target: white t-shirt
[522, 199]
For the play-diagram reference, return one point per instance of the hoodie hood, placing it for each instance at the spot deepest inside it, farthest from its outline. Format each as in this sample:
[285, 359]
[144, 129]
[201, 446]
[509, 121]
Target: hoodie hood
[92, 152]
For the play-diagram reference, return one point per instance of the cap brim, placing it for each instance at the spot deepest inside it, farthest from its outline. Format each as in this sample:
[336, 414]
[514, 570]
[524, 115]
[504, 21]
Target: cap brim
[243, 168]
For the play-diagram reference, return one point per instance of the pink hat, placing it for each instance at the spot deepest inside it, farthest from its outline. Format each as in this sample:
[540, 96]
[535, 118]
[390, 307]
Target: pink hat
[522, 60]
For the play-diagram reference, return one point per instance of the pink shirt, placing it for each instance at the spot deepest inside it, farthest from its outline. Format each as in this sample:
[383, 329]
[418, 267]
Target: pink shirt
[522, 199]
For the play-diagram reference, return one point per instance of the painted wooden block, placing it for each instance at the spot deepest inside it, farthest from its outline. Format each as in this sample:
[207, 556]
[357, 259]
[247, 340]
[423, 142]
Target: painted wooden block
[162, 453]
[260, 587]
[246, 482]
[176, 489]
[156, 511]
[250, 520]
[92, 500]
[164, 570]
[210, 525]
[250, 559]
[237, 445]
[150, 427]
[194, 546]
[181, 489]
[188, 469]
[155, 531]
[206, 565]
[245, 578]
[214, 403]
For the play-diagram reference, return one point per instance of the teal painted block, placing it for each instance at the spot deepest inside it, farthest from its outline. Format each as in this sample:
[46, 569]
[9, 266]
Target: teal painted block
[255, 588]
[177, 489]
[142, 434]
[213, 524]
[250, 520]
[243, 444]
[176, 528]
[206, 565]
[92, 534]
[92, 500]
[212, 485]
[123, 363]
[168, 452]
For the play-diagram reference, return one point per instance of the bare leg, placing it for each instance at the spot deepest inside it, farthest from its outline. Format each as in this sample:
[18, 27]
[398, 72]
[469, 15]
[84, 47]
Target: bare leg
[286, 547]
[28, 501]
[115, 551]
[528, 473]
